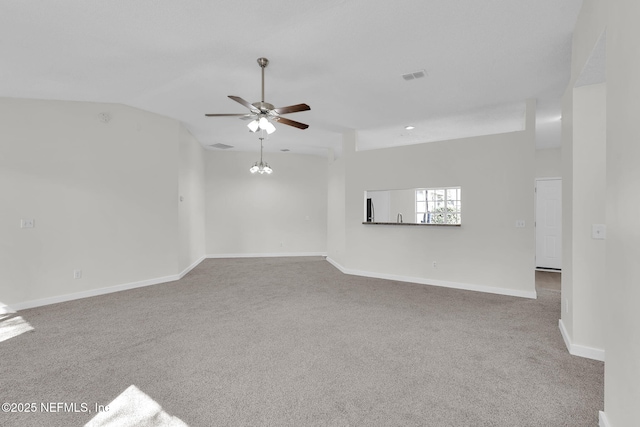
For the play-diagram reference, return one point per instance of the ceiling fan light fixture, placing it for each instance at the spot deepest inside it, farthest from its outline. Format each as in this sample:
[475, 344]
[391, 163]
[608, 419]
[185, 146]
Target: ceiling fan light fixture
[264, 112]
[254, 168]
[253, 125]
[263, 123]
[270, 128]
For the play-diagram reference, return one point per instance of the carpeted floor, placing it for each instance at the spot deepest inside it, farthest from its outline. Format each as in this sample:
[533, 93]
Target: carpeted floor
[294, 342]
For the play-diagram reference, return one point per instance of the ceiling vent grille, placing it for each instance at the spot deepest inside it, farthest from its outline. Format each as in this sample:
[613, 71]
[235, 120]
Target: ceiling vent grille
[415, 75]
[285, 150]
[221, 146]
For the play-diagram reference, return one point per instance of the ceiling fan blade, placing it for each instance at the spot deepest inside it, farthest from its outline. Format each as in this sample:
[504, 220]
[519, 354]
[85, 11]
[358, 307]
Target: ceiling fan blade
[245, 103]
[292, 109]
[225, 115]
[292, 123]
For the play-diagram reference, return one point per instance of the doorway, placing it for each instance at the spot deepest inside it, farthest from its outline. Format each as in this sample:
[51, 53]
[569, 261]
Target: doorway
[549, 224]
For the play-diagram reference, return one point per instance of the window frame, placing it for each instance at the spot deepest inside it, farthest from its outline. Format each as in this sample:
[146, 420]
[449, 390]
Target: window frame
[457, 212]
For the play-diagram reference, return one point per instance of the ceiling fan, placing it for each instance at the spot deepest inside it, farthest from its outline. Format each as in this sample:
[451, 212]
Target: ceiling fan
[262, 114]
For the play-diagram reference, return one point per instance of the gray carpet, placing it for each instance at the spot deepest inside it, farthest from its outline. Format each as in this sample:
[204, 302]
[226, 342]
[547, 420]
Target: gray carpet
[294, 342]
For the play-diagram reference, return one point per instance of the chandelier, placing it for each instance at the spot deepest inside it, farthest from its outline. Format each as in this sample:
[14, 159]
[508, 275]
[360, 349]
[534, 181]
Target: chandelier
[261, 167]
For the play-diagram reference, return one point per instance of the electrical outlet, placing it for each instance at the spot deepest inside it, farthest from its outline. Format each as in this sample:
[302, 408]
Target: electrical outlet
[435, 264]
[599, 231]
[77, 274]
[520, 223]
[27, 223]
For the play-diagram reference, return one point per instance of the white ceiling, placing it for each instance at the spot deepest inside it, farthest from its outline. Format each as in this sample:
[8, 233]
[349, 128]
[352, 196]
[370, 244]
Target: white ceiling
[344, 58]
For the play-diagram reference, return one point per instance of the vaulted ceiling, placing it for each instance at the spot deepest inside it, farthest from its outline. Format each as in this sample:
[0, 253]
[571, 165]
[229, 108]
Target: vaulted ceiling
[344, 58]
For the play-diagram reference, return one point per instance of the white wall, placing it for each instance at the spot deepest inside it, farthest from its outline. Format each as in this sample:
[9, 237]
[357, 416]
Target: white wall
[589, 198]
[567, 213]
[336, 232]
[281, 213]
[191, 202]
[622, 316]
[592, 22]
[103, 196]
[496, 174]
[579, 296]
[618, 312]
[549, 163]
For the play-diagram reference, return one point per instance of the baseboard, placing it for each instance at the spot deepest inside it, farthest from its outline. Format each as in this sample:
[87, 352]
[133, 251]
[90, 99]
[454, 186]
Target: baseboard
[441, 283]
[191, 267]
[267, 255]
[603, 421]
[336, 265]
[577, 349]
[149, 282]
[92, 292]
[102, 291]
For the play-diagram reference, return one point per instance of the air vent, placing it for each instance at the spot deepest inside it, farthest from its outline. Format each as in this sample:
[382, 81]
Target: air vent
[221, 146]
[415, 75]
[285, 149]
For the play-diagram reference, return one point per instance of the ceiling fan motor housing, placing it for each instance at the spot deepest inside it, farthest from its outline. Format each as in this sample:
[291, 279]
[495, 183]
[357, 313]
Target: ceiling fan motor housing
[265, 107]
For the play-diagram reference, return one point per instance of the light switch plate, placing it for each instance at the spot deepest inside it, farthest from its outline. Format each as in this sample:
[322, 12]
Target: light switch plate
[27, 223]
[598, 231]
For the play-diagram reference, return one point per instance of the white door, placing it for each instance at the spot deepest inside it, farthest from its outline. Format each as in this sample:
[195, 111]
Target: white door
[549, 223]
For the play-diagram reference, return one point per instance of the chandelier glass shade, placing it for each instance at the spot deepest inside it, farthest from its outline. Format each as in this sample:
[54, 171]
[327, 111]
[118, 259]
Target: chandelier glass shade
[260, 168]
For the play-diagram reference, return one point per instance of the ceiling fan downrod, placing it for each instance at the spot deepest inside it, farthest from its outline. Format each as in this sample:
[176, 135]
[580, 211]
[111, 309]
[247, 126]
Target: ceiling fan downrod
[263, 62]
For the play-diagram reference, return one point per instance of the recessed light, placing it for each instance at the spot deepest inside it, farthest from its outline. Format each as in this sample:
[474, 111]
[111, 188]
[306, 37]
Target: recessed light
[409, 127]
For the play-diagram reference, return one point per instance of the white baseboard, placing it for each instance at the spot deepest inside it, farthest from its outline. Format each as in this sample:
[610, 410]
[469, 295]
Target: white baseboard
[577, 349]
[191, 267]
[126, 286]
[102, 291]
[441, 283]
[603, 420]
[92, 292]
[267, 255]
[123, 287]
